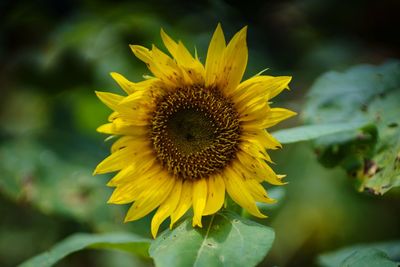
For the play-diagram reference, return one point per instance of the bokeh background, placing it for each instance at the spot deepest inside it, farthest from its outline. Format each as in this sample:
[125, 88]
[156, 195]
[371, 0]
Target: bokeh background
[55, 54]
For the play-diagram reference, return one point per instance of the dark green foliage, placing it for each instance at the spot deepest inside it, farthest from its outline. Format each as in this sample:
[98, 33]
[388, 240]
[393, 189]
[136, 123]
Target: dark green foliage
[55, 54]
[362, 93]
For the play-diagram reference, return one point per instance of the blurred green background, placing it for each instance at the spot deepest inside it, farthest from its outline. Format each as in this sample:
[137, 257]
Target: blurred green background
[54, 54]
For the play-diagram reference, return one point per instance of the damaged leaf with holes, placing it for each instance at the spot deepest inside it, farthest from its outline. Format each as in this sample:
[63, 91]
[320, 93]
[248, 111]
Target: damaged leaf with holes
[364, 93]
[225, 240]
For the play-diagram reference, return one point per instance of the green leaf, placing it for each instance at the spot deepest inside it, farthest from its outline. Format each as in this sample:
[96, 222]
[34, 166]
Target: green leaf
[362, 93]
[310, 132]
[35, 174]
[226, 239]
[369, 257]
[119, 241]
[378, 254]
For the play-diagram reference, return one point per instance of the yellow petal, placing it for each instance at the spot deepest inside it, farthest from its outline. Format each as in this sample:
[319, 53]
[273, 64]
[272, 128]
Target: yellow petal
[133, 97]
[185, 201]
[146, 92]
[215, 194]
[276, 115]
[214, 56]
[128, 171]
[116, 161]
[151, 198]
[260, 136]
[169, 43]
[199, 200]
[277, 85]
[271, 177]
[157, 62]
[255, 149]
[125, 84]
[141, 166]
[247, 162]
[178, 50]
[163, 67]
[256, 110]
[234, 62]
[261, 170]
[262, 85]
[170, 71]
[107, 128]
[258, 191]
[122, 142]
[128, 192]
[142, 53]
[124, 156]
[113, 116]
[255, 84]
[243, 101]
[129, 117]
[166, 208]
[238, 191]
[193, 68]
[183, 56]
[111, 100]
[122, 129]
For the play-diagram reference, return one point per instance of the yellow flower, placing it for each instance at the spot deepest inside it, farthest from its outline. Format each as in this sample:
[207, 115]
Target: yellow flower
[192, 132]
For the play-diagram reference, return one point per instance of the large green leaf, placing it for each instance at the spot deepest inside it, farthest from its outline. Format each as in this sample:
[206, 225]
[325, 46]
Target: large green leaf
[310, 132]
[120, 241]
[378, 254]
[226, 239]
[369, 257]
[362, 93]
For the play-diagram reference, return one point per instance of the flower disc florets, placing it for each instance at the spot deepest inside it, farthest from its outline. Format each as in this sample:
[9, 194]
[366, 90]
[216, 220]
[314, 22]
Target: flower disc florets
[195, 132]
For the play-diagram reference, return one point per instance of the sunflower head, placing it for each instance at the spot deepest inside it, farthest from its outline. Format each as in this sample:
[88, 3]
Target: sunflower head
[192, 132]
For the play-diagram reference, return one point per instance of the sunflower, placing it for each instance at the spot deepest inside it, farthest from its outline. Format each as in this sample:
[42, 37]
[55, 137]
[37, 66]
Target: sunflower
[192, 132]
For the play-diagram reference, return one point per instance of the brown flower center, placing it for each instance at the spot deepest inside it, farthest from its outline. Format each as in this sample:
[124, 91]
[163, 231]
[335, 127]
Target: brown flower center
[195, 132]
